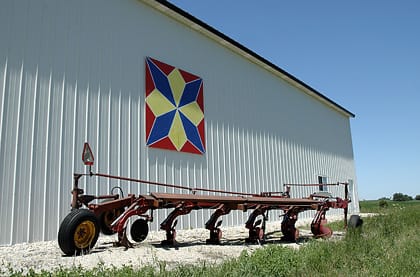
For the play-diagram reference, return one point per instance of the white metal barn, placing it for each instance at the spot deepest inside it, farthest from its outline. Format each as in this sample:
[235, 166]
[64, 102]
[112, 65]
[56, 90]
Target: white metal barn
[76, 71]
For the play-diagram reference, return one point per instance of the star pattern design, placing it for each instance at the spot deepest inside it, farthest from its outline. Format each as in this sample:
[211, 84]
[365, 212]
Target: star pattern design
[174, 108]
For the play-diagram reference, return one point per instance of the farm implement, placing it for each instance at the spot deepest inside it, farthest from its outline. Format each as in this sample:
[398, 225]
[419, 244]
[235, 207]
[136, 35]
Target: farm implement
[110, 213]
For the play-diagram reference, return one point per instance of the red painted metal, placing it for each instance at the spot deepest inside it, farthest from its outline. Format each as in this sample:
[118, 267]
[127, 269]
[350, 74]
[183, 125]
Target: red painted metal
[182, 204]
[257, 228]
[213, 226]
[87, 156]
[222, 204]
[290, 233]
[170, 222]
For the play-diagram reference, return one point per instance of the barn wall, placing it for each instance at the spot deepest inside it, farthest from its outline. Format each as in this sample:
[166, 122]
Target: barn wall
[73, 71]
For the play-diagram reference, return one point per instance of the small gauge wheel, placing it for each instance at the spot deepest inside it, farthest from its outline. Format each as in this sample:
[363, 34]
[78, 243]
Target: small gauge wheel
[139, 230]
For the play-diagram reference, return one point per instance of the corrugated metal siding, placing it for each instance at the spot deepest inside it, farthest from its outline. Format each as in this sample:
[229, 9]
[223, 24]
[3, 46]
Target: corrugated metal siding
[73, 71]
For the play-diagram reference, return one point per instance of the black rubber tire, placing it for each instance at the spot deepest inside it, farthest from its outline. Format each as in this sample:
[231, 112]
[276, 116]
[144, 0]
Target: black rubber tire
[78, 218]
[355, 221]
[139, 230]
[106, 218]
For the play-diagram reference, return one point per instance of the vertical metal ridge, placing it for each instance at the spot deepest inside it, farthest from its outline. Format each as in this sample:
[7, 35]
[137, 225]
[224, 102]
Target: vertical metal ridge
[98, 130]
[211, 173]
[268, 162]
[16, 161]
[280, 179]
[261, 162]
[60, 152]
[31, 158]
[108, 181]
[234, 144]
[259, 141]
[207, 129]
[223, 153]
[86, 181]
[257, 147]
[299, 156]
[74, 126]
[277, 165]
[284, 161]
[129, 143]
[86, 133]
[274, 184]
[251, 159]
[44, 207]
[119, 158]
[219, 177]
[247, 174]
[2, 101]
[141, 139]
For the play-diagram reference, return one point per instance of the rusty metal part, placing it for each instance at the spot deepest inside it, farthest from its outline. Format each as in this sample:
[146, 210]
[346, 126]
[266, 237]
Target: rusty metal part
[123, 240]
[75, 204]
[139, 206]
[290, 232]
[314, 185]
[169, 223]
[213, 226]
[318, 227]
[256, 228]
[222, 204]
[111, 205]
[235, 200]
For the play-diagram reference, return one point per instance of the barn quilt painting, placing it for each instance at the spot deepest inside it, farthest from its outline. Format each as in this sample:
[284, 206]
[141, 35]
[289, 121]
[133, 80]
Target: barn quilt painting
[174, 108]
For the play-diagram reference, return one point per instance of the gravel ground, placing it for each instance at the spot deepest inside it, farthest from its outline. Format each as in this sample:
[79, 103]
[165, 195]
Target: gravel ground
[190, 249]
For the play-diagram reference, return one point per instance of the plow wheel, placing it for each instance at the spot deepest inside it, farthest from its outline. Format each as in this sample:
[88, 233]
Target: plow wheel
[78, 232]
[106, 218]
[139, 230]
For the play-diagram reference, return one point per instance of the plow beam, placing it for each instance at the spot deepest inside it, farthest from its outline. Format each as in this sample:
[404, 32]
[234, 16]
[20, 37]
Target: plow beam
[213, 226]
[170, 222]
[290, 233]
[256, 228]
[318, 228]
[138, 207]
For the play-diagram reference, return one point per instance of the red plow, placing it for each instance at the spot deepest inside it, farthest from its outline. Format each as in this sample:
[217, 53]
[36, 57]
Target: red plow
[79, 230]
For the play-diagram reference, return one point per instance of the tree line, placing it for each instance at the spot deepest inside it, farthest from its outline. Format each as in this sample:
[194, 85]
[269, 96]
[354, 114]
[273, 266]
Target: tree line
[398, 196]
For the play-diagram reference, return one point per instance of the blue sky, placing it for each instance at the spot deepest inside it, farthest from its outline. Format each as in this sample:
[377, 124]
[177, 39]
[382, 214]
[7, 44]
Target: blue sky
[364, 55]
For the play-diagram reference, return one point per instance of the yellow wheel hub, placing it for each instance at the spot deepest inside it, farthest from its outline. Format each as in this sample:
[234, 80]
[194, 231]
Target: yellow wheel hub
[84, 234]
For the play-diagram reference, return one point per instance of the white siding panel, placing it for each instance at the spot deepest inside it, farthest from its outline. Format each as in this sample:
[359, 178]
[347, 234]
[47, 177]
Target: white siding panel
[73, 71]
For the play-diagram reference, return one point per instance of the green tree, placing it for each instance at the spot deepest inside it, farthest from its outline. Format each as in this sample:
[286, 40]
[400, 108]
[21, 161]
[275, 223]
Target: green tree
[398, 196]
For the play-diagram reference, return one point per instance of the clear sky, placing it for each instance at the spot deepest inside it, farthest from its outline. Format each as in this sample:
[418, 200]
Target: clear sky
[364, 55]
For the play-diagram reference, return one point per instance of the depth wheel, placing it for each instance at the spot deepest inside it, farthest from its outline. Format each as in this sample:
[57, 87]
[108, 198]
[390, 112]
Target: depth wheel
[139, 230]
[78, 232]
[355, 221]
[106, 218]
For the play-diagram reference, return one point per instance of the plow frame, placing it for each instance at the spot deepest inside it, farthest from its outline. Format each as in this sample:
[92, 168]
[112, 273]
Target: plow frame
[117, 210]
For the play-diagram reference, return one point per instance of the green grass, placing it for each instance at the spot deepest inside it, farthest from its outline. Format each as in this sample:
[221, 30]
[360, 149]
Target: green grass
[372, 206]
[387, 245]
